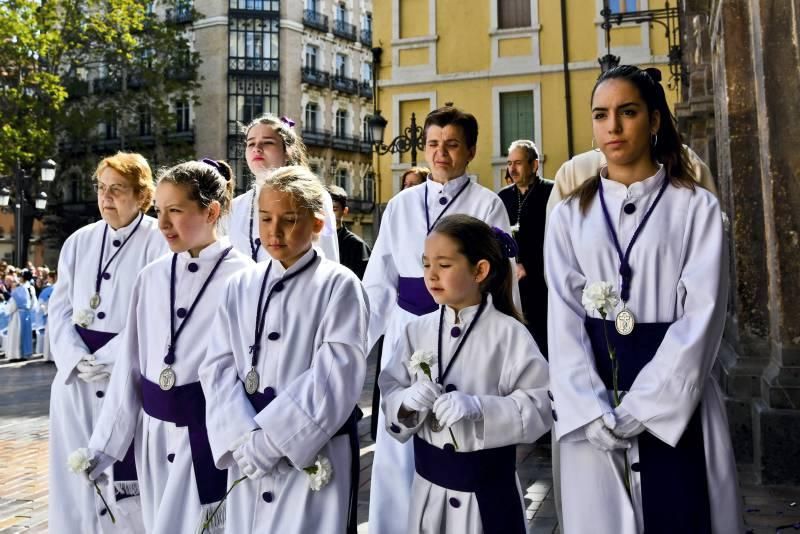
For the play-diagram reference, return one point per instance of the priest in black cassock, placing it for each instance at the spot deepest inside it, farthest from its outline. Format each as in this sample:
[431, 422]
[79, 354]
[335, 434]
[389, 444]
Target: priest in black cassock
[526, 202]
[353, 251]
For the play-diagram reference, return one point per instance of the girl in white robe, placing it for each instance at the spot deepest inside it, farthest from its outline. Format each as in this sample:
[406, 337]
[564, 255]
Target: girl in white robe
[393, 281]
[489, 387]
[102, 259]
[270, 143]
[155, 398]
[284, 370]
[645, 227]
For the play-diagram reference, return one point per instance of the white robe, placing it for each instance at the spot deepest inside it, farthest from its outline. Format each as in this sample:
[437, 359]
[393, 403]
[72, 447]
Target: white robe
[316, 367]
[398, 253]
[237, 226]
[501, 364]
[681, 277]
[75, 404]
[169, 496]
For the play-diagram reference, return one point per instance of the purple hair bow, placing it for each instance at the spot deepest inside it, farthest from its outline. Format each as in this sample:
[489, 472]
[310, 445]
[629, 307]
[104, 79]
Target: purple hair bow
[214, 163]
[287, 121]
[507, 243]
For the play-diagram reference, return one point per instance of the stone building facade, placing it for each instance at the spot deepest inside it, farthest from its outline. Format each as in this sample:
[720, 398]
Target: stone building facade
[740, 114]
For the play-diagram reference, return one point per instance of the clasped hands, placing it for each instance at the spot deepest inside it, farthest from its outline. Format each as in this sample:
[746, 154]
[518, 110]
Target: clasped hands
[613, 430]
[449, 408]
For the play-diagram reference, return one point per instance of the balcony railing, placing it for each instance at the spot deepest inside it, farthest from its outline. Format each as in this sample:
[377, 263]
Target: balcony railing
[316, 137]
[179, 16]
[185, 136]
[366, 37]
[179, 73]
[315, 77]
[345, 85]
[345, 30]
[351, 144]
[365, 89]
[251, 64]
[253, 7]
[316, 20]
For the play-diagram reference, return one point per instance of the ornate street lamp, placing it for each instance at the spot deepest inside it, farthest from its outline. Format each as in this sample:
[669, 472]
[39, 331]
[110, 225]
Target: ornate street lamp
[410, 140]
[47, 174]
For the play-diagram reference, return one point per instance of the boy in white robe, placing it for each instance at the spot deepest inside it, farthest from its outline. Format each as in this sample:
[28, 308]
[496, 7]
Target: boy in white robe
[489, 388]
[393, 280]
[102, 259]
[155, 398]
[284, 370]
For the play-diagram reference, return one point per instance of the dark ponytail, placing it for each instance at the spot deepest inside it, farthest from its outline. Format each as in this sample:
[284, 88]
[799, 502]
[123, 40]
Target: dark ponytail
[666, 148]
[477, 241]
[206, 181]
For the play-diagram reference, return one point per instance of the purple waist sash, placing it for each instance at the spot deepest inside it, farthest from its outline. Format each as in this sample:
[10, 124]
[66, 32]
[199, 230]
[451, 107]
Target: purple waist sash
[490, 474]
[94, 339]
[261, 400]
[413, 296]
[186, 406]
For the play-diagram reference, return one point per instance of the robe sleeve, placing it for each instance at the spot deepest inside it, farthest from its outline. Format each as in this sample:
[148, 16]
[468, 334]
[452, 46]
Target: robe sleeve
[498, 216]
[229, 413]
[523, 414]
[381, 280]
[666, 392]
[312, 408]
[579, 395]
[11, 307]
[116, 425]
[67, 346]
[393, 382]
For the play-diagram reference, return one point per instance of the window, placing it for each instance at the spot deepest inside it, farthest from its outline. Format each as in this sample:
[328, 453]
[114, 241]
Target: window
[145, 122]
[366, 133]
[366, 23]
[368, 187]
[341, 123]
[311, 57]
[312, 115]
[182, 116]
[516, 118]
[341, 65]
[513, 13]
[342, 180]
[621, 6]
[341, 13]
[255, 5]
[248, 97]
[366, 72]
[311, 5]
[253, 45]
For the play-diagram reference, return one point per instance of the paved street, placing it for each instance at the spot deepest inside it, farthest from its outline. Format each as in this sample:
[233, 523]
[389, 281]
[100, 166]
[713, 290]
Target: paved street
[24, 394]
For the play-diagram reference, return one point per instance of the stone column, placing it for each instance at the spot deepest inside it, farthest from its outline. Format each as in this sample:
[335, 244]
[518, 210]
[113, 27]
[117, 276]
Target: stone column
[776, 69]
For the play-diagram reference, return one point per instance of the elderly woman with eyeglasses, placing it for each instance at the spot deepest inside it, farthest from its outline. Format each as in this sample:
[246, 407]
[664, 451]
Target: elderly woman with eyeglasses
[87, 311]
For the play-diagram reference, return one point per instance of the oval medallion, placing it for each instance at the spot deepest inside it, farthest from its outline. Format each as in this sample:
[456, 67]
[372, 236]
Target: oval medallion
[166, 380]
[435, 425]
[94, 301]
[624, 322]
[251, 381]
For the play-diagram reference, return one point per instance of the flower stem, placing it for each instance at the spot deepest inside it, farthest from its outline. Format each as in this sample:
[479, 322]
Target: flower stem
[208, 521]
[108, 508]
[427, 370]
[615, 384]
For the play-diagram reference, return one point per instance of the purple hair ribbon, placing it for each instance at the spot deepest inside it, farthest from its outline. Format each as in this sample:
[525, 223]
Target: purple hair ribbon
[287, 121]
[507, 243]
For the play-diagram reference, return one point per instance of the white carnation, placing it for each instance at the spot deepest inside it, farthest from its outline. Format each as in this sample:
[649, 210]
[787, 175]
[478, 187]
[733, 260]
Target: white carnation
[83, 318]
[600, 297]
[79, 461]
[320, 474]
[421, 362]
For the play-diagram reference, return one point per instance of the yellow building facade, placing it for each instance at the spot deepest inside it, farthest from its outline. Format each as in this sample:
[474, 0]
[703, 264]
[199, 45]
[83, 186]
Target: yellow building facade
[503, 61]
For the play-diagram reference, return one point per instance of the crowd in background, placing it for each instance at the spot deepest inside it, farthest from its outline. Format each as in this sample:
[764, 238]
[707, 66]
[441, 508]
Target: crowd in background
[24, 295]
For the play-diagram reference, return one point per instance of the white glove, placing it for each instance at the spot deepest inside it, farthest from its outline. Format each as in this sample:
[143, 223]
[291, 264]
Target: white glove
[421, 395]
[98, 464]
[602, 438]
[627, 425]
[90, 371]
[253, 455]
[452, 407]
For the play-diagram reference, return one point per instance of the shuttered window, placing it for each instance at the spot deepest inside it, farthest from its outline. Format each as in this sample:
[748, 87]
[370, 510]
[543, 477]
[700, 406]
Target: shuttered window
[513, 13]
[516, 118]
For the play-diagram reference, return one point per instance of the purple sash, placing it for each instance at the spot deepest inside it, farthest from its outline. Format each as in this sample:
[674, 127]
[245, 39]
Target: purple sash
[414, 297]
[349, 428]
[186, 406]
[674, 485]
[94, 339]
[490, 474]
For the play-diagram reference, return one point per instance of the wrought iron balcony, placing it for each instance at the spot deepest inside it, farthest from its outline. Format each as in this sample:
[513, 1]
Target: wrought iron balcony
[345, 30]
[316, 20]
[318, 78]
[365, 89]
[182, 15]
[185, 136]
[253, 64]
[349, 143]
[345, 85]
[366, 37]
[316, 137]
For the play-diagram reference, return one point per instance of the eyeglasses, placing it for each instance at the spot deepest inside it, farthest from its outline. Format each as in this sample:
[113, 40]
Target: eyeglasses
[115, 190]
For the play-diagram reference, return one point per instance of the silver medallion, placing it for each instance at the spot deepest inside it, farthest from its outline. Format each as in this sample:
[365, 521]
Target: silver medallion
[166, 380]
[625, 322]
[251, 381]
[435, 425]
[94, 301]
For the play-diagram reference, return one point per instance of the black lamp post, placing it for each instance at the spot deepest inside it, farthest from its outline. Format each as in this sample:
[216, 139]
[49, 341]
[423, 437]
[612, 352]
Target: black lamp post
[21, 180]
[410, 140]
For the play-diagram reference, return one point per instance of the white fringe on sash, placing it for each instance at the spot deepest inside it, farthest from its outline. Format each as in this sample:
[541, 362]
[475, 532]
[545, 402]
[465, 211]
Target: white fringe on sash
[128, 487]
[217, 524]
